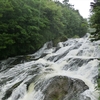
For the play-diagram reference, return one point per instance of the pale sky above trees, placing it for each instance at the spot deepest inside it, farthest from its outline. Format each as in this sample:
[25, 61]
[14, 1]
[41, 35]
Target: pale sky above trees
[82, 5]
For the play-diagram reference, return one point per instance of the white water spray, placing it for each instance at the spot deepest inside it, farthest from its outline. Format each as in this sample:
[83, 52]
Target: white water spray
[75, 59]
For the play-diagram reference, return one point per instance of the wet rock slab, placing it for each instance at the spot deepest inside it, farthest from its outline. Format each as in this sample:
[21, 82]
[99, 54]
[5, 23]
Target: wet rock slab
[64, 88]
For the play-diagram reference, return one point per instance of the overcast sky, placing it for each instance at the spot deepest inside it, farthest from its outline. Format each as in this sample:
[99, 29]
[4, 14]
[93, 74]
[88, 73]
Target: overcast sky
[82, 5]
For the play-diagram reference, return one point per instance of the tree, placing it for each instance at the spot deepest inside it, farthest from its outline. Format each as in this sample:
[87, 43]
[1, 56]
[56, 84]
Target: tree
[25, 25]
[95, 19]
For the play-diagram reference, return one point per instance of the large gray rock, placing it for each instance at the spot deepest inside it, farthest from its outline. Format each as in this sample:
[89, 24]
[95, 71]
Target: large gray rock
[64, 88]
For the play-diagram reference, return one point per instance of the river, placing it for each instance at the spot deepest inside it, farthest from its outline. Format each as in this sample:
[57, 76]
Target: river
[66, 72]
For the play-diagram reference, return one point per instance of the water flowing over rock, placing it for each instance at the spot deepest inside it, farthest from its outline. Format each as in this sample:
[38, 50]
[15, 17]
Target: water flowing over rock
[66, 72]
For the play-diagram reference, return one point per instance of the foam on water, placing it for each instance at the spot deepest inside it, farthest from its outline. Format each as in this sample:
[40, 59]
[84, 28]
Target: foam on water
[75, 58]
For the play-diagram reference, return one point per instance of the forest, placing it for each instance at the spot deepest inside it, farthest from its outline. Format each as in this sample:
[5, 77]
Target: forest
[25, 25]
[95, 19]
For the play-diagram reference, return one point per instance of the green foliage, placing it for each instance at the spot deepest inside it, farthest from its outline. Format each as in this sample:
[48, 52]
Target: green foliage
[95, 19]
[59, 39]
[74, 24]
[25, 25]
[76, 36]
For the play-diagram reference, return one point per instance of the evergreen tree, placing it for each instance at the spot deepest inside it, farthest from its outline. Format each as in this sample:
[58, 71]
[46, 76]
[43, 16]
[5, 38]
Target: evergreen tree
[95, 19]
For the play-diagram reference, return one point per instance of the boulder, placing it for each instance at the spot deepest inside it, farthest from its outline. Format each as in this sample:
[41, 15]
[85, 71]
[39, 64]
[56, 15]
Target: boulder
[64, 88]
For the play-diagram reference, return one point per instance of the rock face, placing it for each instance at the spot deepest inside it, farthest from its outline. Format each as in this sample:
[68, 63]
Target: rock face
[64, 88]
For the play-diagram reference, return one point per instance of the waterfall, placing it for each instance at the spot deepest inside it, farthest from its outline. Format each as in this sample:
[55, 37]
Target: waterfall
[66, 72]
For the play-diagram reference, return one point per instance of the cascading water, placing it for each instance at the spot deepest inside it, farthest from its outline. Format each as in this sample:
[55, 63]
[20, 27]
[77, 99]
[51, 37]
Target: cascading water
[66, 72]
